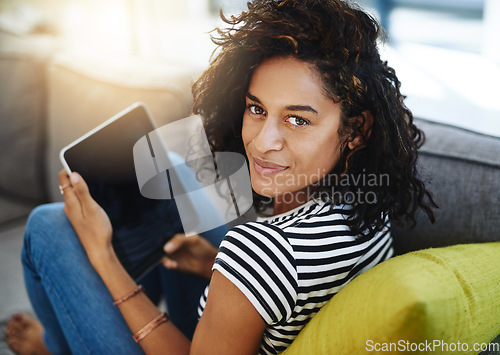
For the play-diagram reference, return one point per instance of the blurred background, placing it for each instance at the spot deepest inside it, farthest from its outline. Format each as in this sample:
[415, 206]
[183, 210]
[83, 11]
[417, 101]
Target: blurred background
[67, 65]
[447, 52]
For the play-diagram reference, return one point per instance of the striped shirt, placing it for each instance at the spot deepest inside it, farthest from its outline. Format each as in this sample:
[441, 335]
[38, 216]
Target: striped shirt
[290, 265]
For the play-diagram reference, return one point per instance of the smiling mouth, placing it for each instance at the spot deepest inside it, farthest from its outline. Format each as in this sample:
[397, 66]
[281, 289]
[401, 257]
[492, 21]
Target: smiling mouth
[267, 168]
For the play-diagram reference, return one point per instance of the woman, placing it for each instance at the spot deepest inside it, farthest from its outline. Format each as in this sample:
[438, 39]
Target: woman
[297, 86]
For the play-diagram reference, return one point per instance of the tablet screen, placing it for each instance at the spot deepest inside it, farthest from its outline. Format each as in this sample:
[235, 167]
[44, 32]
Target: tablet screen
[104, 158]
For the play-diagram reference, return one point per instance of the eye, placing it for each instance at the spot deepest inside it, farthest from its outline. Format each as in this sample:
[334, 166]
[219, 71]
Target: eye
[297, 121]
[255, 109]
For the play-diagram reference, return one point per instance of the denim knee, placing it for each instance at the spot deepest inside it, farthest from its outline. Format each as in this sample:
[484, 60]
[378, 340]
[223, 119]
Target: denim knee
[48, 231]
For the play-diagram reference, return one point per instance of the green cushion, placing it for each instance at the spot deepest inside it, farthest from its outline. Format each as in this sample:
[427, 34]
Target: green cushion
[450, 294]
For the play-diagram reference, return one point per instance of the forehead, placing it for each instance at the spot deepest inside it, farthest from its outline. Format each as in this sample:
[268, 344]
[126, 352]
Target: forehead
[282, 78]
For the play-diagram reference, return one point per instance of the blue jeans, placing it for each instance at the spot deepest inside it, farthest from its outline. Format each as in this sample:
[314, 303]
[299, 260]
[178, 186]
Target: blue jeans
[72, 302]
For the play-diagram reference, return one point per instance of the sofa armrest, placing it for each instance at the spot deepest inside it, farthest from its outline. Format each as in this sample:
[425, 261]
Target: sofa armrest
[23, 61]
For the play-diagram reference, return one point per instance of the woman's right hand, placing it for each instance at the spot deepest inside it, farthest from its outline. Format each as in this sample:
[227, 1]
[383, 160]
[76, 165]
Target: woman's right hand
[89, 220]
[193, 254]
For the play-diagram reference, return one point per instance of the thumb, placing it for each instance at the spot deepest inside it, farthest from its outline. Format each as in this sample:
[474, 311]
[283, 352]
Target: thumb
[81, 190]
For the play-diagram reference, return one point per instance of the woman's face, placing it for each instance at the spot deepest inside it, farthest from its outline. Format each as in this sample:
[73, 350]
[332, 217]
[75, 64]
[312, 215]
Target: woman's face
[290, 129]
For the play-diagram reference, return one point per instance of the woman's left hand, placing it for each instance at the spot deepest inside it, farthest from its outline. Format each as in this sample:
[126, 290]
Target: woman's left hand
[193, 254]
[89, 220]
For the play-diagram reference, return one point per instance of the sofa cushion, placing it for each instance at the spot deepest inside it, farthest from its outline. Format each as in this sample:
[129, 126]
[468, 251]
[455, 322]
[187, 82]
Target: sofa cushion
[462, 169]
[447, 294]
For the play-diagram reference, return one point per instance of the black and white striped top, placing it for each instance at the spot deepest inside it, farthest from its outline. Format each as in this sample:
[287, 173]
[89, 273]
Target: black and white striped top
[290, 265]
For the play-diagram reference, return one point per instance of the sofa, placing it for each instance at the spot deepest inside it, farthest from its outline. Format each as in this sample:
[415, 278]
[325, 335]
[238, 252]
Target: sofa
[444, 284]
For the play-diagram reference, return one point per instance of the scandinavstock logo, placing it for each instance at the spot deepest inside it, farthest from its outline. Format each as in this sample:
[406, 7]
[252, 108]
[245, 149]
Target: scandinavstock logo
[175, 162]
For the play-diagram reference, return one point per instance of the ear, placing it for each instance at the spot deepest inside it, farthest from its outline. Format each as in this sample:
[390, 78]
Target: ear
[364, 123]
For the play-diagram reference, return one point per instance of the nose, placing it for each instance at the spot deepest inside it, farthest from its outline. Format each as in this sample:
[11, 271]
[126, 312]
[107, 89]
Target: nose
[270, 136]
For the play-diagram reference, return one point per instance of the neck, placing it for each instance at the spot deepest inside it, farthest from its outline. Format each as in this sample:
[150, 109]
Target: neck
[285, 202]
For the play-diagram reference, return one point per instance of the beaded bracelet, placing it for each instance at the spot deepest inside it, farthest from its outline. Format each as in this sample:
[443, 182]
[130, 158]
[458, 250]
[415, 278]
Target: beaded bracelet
[130, 295]
[148, 328]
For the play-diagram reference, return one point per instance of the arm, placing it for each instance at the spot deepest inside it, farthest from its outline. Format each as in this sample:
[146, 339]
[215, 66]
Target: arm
[94, 231]
[230, 323]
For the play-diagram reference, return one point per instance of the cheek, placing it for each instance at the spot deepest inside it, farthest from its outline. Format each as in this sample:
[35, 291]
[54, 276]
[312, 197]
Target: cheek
[324, 156]
[247, 131]
[244, 131]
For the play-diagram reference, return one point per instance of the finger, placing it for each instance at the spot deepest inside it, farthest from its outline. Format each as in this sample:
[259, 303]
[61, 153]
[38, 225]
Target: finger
[62, 173]
[63, 178]
[71, 202]
[175, 243]
[81, 191]
[169, 263]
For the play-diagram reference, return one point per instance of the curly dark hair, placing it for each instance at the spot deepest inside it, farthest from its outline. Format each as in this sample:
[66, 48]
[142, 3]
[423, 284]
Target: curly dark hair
[340, 41]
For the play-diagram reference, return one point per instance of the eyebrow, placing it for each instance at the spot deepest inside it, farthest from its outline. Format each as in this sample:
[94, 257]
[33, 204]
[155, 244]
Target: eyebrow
[290, 107]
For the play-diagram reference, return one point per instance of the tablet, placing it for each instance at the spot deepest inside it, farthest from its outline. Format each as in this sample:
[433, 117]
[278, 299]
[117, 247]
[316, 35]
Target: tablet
[104, 158]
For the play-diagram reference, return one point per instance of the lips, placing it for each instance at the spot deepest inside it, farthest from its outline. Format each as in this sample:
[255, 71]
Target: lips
[267, 168]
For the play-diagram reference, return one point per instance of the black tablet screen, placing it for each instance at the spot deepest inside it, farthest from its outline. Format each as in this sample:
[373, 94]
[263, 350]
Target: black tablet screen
[105, 160]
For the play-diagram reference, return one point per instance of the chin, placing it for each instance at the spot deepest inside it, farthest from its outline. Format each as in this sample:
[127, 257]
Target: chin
[266, 192]
[266, 186]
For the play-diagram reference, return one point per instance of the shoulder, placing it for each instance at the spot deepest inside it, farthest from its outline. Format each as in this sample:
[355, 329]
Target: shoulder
[258, 259]
[258, 237]
[261, 247]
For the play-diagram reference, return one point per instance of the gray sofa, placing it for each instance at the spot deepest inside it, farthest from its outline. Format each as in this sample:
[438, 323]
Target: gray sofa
[463, 172]
[49, 100]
